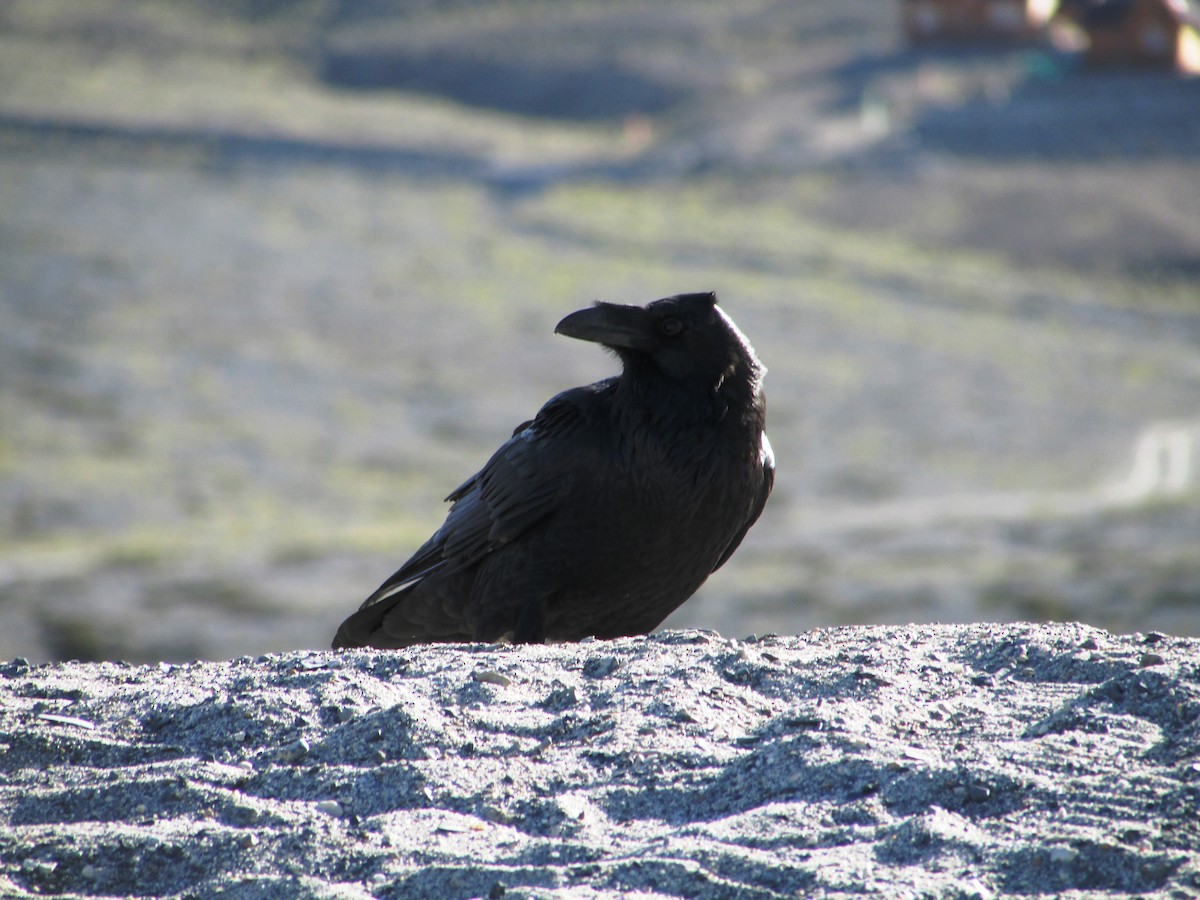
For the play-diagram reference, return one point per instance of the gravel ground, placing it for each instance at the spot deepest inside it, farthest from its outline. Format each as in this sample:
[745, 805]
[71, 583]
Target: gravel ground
[957, 761]
[239, 264]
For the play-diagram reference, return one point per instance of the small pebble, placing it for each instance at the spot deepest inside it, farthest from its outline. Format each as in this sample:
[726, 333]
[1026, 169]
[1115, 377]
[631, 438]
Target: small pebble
[600, 666]
[978, 793]
[67, 720]
[330, 808]
[1063, 855]
[1150, 659]
[489, 677]
[293, 752]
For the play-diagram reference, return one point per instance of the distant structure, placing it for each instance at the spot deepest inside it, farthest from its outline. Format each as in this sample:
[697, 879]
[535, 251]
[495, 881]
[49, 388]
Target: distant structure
[928, 21]
[1161, 34]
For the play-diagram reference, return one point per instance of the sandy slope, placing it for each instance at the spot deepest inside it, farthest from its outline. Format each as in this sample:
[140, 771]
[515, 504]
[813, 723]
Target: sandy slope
[952, 760]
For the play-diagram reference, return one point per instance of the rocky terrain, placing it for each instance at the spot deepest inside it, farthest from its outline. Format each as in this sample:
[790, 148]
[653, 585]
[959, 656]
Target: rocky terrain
[952, 761]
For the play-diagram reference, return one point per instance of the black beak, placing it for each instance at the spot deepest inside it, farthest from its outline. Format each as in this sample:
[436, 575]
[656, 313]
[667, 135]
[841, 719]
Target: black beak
[613, 325]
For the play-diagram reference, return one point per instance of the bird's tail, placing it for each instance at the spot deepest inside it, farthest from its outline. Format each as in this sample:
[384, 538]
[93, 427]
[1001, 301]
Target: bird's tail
[415, 614]
[359, 628]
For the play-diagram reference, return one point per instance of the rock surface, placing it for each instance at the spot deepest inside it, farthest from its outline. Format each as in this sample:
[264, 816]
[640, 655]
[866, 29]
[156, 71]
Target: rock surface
[962, 761]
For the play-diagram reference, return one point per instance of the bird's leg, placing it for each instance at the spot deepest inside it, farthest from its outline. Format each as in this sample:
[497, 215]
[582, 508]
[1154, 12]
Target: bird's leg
[531, 623]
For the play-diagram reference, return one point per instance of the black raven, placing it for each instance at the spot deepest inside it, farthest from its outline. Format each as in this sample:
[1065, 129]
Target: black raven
[610, 508]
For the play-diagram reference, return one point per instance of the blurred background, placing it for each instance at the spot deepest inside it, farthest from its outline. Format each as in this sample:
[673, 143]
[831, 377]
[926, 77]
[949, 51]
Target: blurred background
[277, 276]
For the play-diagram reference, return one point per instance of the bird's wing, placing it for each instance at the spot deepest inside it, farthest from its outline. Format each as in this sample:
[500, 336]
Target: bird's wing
[767, 458]
[523, 482]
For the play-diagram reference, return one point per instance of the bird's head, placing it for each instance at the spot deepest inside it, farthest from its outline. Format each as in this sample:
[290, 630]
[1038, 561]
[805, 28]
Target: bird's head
[685, 337]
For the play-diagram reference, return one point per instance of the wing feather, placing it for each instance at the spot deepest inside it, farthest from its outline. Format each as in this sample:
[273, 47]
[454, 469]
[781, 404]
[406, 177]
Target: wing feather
[522, 484]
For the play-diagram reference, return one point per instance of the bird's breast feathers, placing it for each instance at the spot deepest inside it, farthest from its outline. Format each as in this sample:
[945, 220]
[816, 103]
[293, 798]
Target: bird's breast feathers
[766, 456]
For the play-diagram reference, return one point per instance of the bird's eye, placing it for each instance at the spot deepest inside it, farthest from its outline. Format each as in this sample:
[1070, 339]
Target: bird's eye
[670, 327]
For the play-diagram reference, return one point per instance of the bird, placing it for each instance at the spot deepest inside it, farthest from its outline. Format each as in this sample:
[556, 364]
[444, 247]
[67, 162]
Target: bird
[606, 511]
